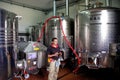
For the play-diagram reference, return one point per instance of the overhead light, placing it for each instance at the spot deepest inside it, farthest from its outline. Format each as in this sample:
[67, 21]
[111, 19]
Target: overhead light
[19, 17]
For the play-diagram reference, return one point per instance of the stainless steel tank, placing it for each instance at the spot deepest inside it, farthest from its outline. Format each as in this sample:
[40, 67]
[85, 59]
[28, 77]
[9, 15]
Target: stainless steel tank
[95, 30]
[53, 30]
[8, 41]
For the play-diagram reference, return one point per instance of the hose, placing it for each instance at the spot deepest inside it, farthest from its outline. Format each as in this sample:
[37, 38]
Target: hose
[67, 41]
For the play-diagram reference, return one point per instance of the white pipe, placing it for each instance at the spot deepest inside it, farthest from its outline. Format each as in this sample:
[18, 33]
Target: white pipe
[86, 4]
[54, 8]
[107, 2]
[67, 7]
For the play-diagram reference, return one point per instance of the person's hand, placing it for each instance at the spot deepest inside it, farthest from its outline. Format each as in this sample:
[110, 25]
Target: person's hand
[60, 53]
[56, 54]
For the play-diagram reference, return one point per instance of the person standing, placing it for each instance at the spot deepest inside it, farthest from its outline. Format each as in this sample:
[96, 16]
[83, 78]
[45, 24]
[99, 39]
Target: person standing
[53, 52]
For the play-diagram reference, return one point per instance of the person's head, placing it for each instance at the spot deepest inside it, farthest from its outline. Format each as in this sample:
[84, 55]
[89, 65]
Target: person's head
[54, 40]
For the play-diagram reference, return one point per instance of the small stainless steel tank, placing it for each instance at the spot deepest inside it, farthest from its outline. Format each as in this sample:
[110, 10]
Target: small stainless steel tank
[35, 32]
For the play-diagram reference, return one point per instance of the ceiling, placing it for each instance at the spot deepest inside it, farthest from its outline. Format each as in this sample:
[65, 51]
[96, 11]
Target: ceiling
[42, 5]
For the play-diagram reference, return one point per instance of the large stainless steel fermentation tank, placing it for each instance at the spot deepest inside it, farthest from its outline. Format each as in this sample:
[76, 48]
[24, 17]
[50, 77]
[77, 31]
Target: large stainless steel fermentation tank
[95, 31]
[8, 39]
[53, 30]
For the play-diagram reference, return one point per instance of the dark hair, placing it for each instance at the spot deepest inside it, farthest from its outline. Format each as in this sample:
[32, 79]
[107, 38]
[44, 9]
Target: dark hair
[53, 39]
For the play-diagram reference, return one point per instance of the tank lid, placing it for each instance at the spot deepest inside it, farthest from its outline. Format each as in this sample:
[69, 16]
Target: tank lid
[104, 8]
[108, 8]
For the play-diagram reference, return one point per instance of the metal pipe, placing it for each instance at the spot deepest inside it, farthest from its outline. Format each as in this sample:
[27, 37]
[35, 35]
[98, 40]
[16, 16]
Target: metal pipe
[54, 8]
[86, 4]
[107, 2]
[67, 7]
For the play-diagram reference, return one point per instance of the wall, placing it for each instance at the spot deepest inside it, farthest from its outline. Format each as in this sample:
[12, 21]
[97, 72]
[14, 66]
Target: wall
[113, 3]
[72, 11]
[29, 16]
[116, 3]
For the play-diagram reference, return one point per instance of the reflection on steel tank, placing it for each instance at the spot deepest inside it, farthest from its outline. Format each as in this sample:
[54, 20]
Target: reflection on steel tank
[8, 41]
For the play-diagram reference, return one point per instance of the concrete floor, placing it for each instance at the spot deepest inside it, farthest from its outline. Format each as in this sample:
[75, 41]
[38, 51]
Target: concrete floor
[67, 74]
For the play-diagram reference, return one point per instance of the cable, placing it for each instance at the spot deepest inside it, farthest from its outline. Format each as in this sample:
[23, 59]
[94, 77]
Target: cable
[67, 41]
